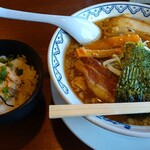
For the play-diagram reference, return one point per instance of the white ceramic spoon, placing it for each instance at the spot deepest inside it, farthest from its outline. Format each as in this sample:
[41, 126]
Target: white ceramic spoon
[82, 30]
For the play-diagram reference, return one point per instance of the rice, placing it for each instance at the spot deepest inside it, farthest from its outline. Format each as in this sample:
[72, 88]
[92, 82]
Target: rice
[18, 85]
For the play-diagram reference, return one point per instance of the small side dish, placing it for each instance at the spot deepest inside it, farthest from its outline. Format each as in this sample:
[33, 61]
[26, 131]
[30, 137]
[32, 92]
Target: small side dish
[21, 80]
[18, 81]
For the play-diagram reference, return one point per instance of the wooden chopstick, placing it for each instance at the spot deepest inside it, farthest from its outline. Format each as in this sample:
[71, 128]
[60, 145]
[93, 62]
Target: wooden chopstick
[69, 110]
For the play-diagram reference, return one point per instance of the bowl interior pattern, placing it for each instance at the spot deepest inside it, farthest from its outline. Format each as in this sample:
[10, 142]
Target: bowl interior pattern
[56, 59]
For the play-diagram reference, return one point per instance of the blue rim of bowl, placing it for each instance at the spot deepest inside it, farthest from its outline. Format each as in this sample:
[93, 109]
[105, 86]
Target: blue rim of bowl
[94, 11]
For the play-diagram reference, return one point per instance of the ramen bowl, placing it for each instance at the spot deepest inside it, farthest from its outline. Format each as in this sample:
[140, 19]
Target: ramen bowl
[14, 49]
[56, 53]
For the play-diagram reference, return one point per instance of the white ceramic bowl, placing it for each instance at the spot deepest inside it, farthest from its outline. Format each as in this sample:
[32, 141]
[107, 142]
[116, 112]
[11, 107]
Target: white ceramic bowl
[57, 49]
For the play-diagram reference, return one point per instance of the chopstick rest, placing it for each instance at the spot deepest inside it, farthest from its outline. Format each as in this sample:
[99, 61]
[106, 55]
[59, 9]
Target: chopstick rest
[70, 110]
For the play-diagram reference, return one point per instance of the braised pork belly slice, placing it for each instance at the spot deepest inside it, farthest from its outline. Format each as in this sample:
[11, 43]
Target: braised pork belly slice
[99, 79]
[125, 24]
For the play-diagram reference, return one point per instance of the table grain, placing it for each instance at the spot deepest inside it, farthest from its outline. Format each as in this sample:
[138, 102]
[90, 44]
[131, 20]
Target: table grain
[36, 131]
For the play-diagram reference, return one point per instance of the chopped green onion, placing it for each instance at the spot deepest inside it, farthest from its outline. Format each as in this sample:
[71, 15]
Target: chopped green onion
[5, 90]
[3, 73]
[3, 60]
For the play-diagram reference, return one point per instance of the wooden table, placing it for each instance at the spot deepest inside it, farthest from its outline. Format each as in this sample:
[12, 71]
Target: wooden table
[37, 131]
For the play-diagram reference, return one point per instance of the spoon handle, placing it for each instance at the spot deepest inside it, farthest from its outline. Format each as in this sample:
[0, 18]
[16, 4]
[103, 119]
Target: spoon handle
[82, 30]
[29, 16]
[60, 111]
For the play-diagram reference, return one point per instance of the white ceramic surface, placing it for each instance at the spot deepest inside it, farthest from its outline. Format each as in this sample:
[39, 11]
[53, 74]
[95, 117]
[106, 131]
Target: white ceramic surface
[99, 139]
[82, 30]
[56, 52]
